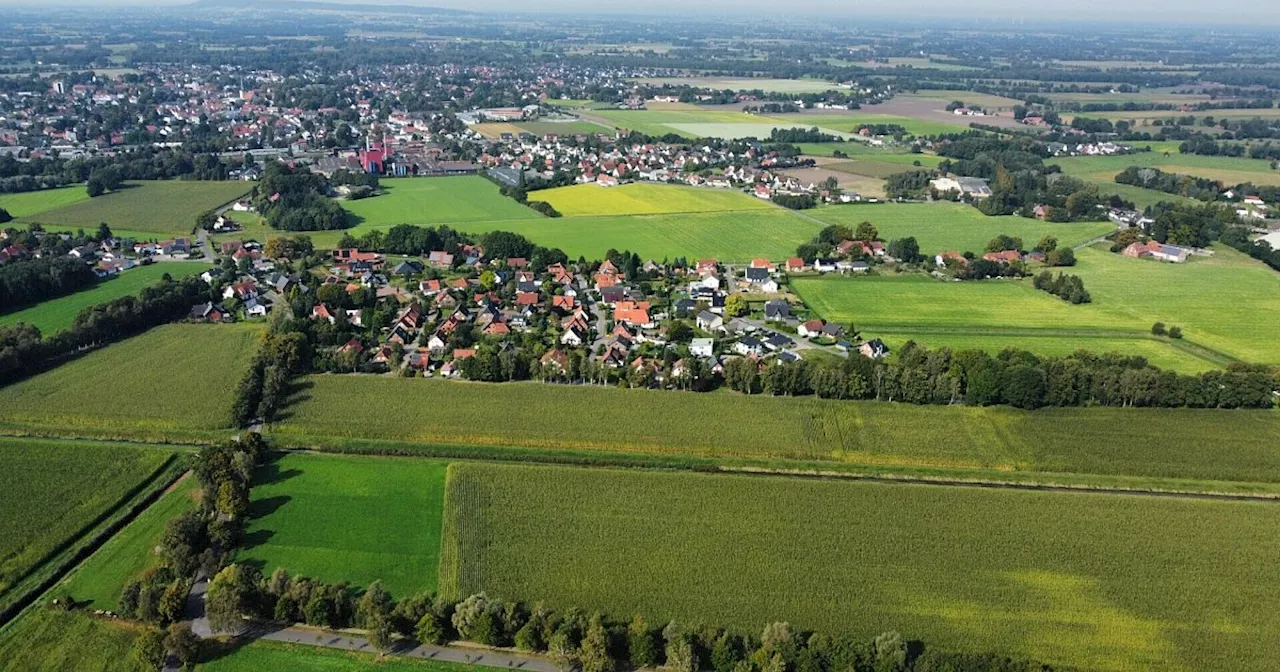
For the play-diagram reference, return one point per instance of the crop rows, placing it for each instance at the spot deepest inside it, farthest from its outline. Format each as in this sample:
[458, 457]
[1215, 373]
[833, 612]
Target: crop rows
[1104, 582]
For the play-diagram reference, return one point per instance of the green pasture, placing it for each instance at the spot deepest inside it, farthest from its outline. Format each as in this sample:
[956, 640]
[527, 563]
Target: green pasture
[939, 227]
[99, 581]
[52, 494]
[30, 203]
[174, 381]
[1161, 352]
[356, 519]
[57, 314]
[434, 200]
[1128, 295]
[646, 199]
[848, 122]
[1098, 581]
[882, 169]
[160, 208]
[422, 415]
[1228, 170]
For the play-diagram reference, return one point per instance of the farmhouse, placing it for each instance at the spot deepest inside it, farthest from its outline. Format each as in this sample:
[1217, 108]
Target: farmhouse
[974, 187]
[1159, 251]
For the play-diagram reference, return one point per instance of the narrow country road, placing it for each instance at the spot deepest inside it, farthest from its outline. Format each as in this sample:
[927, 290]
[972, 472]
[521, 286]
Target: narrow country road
[348, 642]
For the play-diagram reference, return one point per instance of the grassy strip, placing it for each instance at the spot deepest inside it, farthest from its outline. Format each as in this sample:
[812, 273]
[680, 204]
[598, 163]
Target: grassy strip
[93, 535]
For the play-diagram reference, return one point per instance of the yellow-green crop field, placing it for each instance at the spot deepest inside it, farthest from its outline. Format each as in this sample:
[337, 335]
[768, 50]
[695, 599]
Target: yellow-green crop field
[30, 203]
[646, 199]
[1128, 295]
[1102, 582]
[419, 415]
[175, 381]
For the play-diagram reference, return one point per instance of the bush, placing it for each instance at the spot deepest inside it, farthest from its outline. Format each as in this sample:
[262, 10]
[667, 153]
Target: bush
[1158, 329]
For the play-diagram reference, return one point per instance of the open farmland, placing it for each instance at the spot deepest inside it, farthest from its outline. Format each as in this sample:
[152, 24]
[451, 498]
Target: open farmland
[31, 203]
[434, 200]
[342, 518]
[951, 226]
[1128, 295]
[99, 580]
[454, 418]
[645, 199]
[1229, 170]
[160, 208]
[848, 122]
[1106, 582]
[58, 314]
[49, 639]
[747, 84]
[175, 381]
[701, 123]
[728, 236]
[52, 494]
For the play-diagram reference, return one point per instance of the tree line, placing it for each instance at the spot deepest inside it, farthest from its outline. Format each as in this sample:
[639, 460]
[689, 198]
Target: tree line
[24, 351]
[144, 163]
[1199, 188]
[28, 281]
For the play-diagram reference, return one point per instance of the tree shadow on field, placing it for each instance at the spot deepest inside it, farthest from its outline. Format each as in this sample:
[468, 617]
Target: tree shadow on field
[255, 539]
[296, 394]
[271, 473]
[261, 508]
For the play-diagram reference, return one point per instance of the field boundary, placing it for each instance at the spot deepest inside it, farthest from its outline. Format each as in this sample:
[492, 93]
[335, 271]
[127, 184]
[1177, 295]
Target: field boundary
[64, 559]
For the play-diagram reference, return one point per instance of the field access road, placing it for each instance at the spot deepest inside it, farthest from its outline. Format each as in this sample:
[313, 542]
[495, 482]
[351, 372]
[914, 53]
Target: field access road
[348, 642]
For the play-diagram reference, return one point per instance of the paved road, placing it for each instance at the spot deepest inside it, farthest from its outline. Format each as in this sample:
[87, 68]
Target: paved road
[348, 642]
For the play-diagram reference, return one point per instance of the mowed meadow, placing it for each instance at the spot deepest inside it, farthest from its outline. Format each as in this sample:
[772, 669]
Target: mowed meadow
[174, 382]
[460, 419]
[159, 209]
[57, 314]
[1128, 295]
[348, 518]
[1102, 582]
[646, 199]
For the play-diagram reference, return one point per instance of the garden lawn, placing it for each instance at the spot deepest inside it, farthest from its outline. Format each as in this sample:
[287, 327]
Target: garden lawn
[52, 494]
[57, 314]
[162, 208]
[456, 418]
[1128, 295]
[645, 199]
[435, 200]
[46, 640]
[101, 578]
[30, 203]
[939, 227]
[266, 655]
[1095, 581]
[173, 382]
[346, 518]
[727, 236]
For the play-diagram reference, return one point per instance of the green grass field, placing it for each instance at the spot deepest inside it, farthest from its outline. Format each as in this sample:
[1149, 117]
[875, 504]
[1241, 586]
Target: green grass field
[48, 640]
[645, 199]
[264, 655]
[52, 494]
[692, 122]
[1105, 582]
[747, 84]
[1128, 295]
[952, 226]
[415, 414]
[31, 203]
[356, 519]
[100, 579]
[175, 381]
[1160, 352]
[436, 200]
[54, 316]
[1229, 170]
[728, 236]
[159, 208]
[849, 122]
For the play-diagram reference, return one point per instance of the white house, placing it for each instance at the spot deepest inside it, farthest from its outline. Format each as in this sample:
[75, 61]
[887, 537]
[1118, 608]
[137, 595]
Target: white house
[702, 347]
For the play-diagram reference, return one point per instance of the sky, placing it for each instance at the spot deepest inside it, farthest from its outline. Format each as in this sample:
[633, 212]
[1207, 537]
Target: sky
[1257, 13]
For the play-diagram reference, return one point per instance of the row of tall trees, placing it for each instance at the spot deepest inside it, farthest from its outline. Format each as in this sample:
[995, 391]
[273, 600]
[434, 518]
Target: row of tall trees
[26, 282]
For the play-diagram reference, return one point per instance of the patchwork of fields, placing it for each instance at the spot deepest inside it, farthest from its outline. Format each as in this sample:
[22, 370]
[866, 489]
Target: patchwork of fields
[159, 208]
[51, 494]
[1128, 295]
[58, 314]
[1102, 582]
[416, 415]
[175, 381]
[646, 199]
[357, 519]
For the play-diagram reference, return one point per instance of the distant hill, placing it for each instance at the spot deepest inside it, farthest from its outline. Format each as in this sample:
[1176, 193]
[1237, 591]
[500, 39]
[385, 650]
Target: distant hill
[306, 5]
